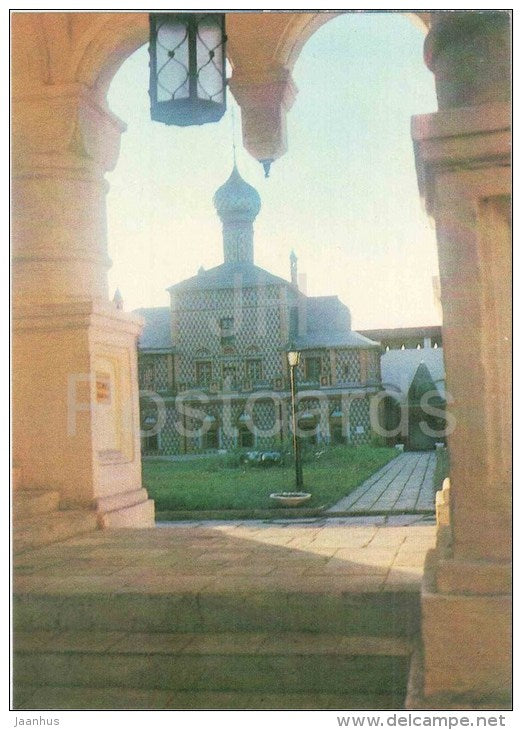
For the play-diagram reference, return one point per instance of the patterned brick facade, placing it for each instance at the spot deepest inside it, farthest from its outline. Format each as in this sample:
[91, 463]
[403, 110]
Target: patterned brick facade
[217, 356]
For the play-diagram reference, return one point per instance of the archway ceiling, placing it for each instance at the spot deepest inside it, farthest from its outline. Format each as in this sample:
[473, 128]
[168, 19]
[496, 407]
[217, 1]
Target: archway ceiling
[261, 43]
[52, 51]
[88, 48]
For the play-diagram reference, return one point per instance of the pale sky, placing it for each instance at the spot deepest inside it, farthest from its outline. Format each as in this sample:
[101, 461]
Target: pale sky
[344, 197]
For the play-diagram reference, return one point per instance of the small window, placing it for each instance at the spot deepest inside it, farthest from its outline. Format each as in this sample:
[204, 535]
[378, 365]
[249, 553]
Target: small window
[203, 372]
[313, 369]
[226, 323]
[226, 328]
[254, 370]
[210, 439]
[230, 375]
[150, 443]
[245, 438]
[146, 374]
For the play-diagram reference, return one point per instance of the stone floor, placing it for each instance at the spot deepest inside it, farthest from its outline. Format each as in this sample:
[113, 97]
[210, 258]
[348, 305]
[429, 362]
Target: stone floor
[403, 485]
[337, 555]
[316, 614]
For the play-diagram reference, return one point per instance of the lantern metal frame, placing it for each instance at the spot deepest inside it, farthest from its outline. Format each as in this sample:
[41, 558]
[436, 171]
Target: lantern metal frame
[196, 108]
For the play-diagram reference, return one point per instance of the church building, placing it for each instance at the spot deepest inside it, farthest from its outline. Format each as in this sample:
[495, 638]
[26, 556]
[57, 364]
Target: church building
[213, 367]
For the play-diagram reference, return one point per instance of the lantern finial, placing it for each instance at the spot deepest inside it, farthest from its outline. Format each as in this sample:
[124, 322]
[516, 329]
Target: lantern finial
[266, 166]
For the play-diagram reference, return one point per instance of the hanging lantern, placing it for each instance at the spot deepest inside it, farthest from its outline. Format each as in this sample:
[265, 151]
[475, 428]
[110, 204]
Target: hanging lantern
[187, 68]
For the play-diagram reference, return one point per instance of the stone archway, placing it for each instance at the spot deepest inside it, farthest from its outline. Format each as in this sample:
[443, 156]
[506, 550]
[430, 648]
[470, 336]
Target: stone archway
[74, 353]
[262, 66]
[64, 139]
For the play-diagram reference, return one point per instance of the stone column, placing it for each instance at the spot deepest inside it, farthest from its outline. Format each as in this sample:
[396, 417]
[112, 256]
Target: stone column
[463, 157]
[264, 103]
[75, 391]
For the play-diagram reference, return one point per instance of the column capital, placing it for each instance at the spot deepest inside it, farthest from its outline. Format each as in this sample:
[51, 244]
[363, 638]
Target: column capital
[469, 55]
[462, 154]
[63, 126]
[264, 101]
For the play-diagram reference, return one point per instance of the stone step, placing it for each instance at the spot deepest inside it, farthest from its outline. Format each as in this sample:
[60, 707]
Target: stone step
[385, 613]
[119, 698]
[277, 663]
[31, 502]
[44, 529]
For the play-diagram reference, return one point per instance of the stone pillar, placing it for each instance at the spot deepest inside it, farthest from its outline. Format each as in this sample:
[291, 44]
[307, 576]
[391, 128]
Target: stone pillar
[463, 156]
[75, 390]
[324, 420]
[264, 103]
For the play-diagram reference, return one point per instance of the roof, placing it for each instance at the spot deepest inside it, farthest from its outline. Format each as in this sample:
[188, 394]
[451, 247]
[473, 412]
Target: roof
[328, 323]
[156, 334]
[398, 369]
[333, 338]
[326, 313]
[230, 275]
[237, 197]
[398, 333]
[327, 318]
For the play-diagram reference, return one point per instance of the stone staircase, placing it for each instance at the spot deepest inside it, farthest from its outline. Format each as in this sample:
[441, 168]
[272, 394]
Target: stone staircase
[38, 520]
[272, 650]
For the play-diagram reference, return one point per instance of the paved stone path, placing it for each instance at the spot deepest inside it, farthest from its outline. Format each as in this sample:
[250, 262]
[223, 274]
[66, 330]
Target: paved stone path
[332, 555]
[405, 484]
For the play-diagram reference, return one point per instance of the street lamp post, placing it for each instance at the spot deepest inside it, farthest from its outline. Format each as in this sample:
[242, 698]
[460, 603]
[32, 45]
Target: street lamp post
[293, 362]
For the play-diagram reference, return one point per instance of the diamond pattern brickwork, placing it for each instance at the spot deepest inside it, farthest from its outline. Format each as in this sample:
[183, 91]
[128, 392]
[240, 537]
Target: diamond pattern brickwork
[153, 372]
[258, 314]
[347, 366]
[360, 429]
[373, 365]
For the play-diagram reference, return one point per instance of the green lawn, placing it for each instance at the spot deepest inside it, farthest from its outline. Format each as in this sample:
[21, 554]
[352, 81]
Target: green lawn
[217, 482]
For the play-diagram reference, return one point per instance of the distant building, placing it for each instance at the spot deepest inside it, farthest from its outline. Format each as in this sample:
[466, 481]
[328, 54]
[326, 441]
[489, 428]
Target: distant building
[413, 377]
[217, 357]
[406, 338]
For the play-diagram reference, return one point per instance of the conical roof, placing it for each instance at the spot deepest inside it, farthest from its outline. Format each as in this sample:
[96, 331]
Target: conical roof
[236, 197]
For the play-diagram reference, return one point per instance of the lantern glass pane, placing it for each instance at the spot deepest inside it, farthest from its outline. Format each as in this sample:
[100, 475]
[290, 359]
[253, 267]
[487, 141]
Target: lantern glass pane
[209, 48]
[293, 358]
[172, 62]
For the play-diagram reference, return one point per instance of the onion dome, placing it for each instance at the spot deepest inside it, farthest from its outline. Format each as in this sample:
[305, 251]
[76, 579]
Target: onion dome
[236, 198]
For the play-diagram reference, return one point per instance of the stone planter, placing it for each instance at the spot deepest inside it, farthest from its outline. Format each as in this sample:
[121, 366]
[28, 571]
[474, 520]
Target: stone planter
[290, 499]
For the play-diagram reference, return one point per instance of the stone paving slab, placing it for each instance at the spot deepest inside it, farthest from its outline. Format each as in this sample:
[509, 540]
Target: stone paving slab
[204, 559]
[217, 644]
[404, 484]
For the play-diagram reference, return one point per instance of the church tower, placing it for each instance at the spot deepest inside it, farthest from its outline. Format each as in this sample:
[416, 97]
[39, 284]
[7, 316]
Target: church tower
[237, 204]
[293, 268]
